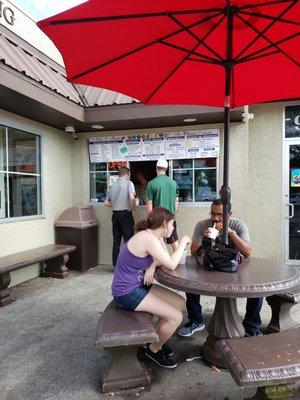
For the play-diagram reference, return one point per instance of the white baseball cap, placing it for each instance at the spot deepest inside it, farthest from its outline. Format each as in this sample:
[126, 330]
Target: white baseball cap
[162, 163]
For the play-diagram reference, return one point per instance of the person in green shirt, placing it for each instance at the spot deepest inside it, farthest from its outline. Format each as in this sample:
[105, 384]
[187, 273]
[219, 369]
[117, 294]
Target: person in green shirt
[163, 191]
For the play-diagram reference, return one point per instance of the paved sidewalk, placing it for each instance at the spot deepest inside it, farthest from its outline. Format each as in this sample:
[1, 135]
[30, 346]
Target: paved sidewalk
[47, 347]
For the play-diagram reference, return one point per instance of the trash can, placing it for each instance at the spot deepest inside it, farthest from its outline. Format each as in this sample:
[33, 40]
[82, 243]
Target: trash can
[78, 226]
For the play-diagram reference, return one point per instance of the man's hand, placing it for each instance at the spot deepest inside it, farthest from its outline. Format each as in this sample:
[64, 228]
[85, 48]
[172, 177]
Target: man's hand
[107, 203]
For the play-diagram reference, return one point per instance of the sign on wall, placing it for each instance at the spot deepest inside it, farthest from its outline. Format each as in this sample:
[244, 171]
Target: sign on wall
[292, 121]
[145, 147]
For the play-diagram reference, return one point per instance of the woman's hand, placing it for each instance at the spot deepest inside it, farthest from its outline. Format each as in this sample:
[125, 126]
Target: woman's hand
[149, 274]
[186, 239]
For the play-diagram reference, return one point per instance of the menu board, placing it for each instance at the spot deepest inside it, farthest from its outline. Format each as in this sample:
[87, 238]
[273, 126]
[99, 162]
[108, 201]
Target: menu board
[153, 147]
[173, 145]
[202, 144]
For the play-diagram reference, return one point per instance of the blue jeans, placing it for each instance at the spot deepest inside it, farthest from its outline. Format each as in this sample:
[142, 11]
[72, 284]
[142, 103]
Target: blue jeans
[131, 300]
[252, 321]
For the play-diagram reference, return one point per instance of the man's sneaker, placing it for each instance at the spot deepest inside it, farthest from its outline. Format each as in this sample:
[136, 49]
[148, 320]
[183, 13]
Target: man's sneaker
[165, 348]
[253, 333]
[160, 358]
[190, 328]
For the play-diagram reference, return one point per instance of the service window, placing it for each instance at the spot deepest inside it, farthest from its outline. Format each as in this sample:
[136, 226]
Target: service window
[196, 178]
[102, 176]
[20, 174]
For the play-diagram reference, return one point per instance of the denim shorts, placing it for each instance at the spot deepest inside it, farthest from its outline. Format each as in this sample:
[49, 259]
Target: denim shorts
[131, 300]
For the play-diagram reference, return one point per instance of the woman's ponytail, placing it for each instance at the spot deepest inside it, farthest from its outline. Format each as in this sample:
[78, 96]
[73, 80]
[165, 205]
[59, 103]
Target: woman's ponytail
[155, 219]
[142, 225]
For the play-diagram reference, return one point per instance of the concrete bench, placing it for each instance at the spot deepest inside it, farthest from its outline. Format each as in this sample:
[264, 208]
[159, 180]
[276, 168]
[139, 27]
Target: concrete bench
[271, 363]
[55, 257]
[281, 305]
[123, 332]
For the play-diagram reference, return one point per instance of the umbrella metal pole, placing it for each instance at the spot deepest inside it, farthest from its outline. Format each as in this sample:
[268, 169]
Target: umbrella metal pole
[225, 192]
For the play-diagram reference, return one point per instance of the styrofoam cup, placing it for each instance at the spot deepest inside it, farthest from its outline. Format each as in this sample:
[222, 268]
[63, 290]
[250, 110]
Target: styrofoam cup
[212, 233]
[183, 257]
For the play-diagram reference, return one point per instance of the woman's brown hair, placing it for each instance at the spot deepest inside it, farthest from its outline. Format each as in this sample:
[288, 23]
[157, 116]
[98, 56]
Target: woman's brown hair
[155, 219]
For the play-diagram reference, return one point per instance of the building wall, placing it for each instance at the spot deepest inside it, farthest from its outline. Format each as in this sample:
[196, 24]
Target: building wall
[188, 214]
[56, 190]
[266, 181]
[256, 174]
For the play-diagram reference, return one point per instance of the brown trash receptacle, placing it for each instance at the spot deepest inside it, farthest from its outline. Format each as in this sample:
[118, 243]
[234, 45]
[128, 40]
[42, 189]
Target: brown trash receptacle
[78, 226]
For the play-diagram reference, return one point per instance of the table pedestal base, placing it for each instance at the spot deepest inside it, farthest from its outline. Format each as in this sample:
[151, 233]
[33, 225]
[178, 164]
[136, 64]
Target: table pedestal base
[225, 324]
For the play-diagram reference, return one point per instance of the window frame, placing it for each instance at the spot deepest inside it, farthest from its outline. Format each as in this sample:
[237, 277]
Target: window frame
[40, 193]
[187, 204]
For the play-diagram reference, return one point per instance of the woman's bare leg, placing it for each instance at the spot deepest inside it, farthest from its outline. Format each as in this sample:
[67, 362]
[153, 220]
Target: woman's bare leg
[169, 317]
[170, 297]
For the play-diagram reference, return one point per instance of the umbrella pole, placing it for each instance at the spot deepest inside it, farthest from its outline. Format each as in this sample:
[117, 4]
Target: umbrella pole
[225, 193]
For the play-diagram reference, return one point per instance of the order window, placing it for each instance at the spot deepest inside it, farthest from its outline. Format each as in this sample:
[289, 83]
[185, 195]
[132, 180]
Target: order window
[20, 173]
[196, 178]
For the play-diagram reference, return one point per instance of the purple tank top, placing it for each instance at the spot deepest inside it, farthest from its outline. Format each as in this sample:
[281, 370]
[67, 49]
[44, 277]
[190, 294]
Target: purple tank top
[129, 272]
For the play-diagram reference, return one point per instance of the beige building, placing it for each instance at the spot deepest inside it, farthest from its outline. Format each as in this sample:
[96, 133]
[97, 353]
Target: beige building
[57, 150]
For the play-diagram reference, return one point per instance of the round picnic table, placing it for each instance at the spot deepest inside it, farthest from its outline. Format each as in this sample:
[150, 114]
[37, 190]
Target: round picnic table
[256, 277]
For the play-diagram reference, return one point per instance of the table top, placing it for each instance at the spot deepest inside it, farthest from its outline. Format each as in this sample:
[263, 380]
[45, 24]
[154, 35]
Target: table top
[256, 277]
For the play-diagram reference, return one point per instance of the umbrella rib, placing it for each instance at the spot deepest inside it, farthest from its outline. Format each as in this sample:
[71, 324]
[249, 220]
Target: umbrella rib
[267, 3]
[204, 61]
[265, 30]
[211, 59]
[130, 16]
[272, 44]
[169, 35]
[274, 19]
[195, 37]
[257, 57]
[183, 60]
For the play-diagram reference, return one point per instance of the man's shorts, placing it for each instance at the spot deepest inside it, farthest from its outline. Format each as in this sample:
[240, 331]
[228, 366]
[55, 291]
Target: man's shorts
[174, 237]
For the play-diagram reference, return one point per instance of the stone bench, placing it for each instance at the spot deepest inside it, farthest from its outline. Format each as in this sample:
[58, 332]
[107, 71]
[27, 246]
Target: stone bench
[123, 332]
[281, 305]
[271, 363]
[55, 257]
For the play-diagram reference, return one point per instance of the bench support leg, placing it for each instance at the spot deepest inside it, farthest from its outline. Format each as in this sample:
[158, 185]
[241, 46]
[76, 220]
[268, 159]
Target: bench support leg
[4, 292]
[225, 324]
[278, 392]
[281, 319]
[124, 371]
[56, 267]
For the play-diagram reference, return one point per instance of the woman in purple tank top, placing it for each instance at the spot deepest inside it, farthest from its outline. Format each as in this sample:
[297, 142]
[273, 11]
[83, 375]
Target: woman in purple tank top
[133, 287]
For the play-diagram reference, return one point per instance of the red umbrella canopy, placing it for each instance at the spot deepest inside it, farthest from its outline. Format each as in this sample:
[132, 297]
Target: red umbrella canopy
[177, 51]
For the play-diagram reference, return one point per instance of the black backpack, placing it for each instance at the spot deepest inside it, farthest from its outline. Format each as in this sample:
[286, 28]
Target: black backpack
[219, 256]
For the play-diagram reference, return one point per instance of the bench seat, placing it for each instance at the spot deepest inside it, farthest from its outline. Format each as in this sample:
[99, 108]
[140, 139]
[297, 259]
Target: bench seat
[262, 361]
[55, 257]
[123, 332]
[281, 304]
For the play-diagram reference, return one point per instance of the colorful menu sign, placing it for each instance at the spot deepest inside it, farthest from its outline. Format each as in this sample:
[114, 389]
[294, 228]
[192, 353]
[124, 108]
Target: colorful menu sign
[295, 177]
[173, 145]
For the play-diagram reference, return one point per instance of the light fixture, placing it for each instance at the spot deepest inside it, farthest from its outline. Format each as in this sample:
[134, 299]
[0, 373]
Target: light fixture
[96, 126]
[190, 120]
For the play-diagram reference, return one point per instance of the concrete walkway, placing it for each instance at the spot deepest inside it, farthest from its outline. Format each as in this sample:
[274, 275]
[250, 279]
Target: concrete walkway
[47, 347]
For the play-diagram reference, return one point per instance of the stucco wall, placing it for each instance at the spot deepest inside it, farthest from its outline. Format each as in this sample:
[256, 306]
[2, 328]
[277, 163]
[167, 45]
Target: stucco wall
[187, 215]
[255, 177]
[266, 181]
[56, 191]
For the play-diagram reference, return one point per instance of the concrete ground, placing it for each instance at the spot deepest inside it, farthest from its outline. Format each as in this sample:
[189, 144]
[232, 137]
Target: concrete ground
[47, 347]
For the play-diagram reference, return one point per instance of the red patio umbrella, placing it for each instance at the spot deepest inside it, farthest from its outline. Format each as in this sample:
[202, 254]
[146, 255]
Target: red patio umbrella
[206, 52]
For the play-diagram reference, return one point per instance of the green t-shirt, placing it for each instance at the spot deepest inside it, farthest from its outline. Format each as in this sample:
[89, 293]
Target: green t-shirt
[162, 190]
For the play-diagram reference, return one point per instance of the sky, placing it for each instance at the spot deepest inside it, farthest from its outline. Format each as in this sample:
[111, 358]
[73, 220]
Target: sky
[39, 9]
